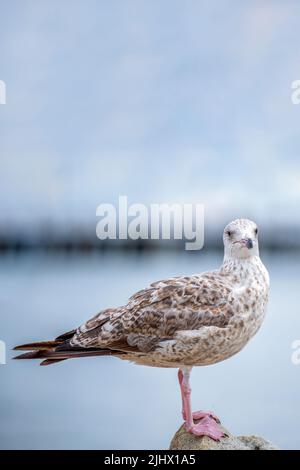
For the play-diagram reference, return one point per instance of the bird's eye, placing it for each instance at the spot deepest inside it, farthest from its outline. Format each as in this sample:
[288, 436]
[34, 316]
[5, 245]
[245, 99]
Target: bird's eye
[256, 231]
[229, 233]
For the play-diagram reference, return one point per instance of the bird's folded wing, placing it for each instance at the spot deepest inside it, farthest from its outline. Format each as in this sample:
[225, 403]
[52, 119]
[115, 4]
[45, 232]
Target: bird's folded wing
[158, 312]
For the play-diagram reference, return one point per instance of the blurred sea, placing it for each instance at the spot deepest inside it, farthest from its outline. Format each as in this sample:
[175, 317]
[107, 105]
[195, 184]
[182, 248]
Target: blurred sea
[105, 403]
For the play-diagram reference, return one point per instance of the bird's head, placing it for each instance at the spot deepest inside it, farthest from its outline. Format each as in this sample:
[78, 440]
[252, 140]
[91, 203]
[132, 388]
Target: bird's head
[240, 239]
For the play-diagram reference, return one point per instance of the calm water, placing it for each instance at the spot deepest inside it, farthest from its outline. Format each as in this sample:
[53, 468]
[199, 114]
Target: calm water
[100, 403]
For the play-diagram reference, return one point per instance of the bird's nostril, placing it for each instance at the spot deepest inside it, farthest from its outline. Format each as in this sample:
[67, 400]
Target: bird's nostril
[249, 243]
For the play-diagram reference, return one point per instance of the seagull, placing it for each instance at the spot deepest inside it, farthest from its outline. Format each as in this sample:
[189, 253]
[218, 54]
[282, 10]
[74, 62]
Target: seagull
[180, 322]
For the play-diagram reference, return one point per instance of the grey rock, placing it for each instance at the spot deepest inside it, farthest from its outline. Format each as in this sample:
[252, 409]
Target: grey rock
[186, 441]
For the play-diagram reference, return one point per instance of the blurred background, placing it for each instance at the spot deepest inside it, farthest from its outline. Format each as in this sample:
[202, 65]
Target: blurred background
[164, 102]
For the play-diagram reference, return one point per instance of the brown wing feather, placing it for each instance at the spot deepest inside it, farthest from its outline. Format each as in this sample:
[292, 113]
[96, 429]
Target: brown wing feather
[158, 312]
[151, 316]
[66, 335]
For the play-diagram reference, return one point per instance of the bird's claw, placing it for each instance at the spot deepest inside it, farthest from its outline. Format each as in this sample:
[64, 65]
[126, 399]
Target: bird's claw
[197, 415]
[207, 426]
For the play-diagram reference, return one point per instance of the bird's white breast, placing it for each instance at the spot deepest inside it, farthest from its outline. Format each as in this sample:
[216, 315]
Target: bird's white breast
[250, 282]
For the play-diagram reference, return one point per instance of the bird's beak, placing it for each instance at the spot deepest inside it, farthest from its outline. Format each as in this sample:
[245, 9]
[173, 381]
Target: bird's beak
[247, 242]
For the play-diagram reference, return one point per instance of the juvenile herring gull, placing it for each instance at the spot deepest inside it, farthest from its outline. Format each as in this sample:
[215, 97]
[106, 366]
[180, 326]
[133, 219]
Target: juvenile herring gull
[179, 322]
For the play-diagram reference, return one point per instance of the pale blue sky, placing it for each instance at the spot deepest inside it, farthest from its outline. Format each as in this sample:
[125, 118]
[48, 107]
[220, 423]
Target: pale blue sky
[162, 101]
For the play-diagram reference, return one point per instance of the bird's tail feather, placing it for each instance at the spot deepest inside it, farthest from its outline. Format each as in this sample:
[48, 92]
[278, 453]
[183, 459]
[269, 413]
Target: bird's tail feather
[56, 351]
[38, 345]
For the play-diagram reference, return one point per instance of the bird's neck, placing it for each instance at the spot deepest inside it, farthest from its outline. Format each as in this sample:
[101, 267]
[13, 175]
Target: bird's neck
[243, 268]
[234, 262]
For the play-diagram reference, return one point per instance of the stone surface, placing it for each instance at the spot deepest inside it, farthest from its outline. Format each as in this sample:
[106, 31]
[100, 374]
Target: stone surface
[186, 441]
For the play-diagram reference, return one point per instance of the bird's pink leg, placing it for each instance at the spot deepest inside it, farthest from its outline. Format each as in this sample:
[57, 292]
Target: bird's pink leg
[208, 423]
[196, 414]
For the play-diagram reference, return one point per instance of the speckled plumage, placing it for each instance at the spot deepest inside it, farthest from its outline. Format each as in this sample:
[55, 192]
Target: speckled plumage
[191, 320]
[183, 321]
